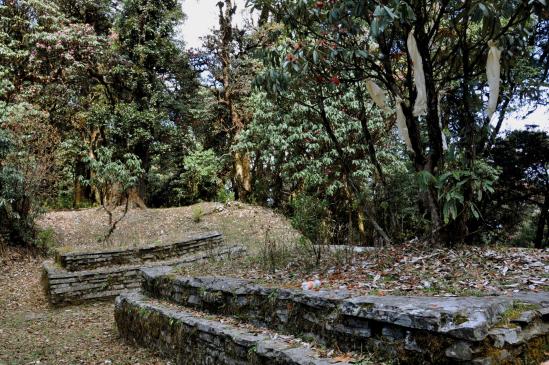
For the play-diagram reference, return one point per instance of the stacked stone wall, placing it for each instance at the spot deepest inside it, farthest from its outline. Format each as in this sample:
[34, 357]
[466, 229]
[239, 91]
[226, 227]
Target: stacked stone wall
[190, 339]
[436, 330]
[78, 261]
[64, 286]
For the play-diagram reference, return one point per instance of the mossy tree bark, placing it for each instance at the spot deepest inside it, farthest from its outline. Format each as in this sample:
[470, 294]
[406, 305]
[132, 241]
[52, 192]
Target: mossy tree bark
[242, 179]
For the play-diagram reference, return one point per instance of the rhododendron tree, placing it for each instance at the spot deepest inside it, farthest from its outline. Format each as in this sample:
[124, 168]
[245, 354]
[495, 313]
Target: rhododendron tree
[431, 60]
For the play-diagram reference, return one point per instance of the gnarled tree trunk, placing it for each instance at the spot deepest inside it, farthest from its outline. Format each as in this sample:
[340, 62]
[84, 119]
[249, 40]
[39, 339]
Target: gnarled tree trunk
[242, 180]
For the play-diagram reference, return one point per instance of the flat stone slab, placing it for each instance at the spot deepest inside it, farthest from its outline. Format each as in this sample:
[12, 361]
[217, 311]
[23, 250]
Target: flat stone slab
[78, 261]
[189, 339]
[459, 328]
[466, 318]
[346, 248]
[64, 287]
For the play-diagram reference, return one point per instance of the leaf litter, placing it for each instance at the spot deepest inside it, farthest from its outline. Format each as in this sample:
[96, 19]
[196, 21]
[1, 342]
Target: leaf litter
[407, 269]
[32, 332]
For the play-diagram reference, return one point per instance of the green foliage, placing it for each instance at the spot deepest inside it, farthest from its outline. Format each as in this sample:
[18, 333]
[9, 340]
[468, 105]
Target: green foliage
[452, 187]
[224, 196]
[295, 155]
[112, 176]
[521, 230]
[45, 241]
[197, 214]
[148, 122]
[25, 177]
[522, 187]
[309, 216]
[15, 211]
[201, 176]
[98, 99]
[327, 50]
[113, 179]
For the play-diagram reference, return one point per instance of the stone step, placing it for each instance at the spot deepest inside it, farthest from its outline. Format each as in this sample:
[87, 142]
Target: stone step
[78, 261]
[64, 287]
[189, 338]
[414, 329]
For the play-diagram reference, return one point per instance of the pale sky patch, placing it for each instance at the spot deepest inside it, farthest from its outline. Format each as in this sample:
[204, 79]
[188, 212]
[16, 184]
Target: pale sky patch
[539, 117]
[203, 16]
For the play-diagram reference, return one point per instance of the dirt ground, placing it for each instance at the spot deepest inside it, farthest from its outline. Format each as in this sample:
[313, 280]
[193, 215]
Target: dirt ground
[81, 230]
[405, 269]
[31, 332]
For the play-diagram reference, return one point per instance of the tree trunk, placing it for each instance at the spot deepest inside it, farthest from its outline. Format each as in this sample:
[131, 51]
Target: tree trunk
[95, 192]
[347, 170]
[140, 194]
[242, 175]
[77, 201]
[543, 218]
[437, 235]
[80, 171]
[93, 142]
[361, 227]
[134, 199]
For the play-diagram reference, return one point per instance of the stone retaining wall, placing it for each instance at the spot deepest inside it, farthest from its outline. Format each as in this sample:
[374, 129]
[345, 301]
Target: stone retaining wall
[69, 287]
[77, 261]
[415, 329]
[194, 340]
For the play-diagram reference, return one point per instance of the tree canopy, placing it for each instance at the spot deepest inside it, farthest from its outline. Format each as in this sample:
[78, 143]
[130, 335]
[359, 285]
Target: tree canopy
[367, 122]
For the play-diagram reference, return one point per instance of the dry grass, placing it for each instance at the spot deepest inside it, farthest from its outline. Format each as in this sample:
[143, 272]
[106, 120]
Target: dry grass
[240, 224]
[31, 332]
[276, 258]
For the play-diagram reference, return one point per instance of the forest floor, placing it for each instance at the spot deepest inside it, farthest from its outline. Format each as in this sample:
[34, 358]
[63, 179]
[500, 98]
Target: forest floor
[404, 269]
[31, 332]
[82, 230]
[277, 256]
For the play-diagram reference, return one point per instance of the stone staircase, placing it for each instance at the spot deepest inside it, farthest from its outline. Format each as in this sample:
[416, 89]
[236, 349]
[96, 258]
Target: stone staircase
[76, 277]
[173, 316]
[191, 338]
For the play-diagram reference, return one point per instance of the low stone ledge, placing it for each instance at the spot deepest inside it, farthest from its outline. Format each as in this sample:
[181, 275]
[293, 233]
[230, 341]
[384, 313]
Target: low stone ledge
[64, 287]
[77, 261]
[415, 329]
[346, 249]
[182, 336]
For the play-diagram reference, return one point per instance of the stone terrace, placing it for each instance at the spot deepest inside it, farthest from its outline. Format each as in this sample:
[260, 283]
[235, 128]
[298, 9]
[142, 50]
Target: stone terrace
[77, 261]
[191, 339]
[79, 277]
[415, 330]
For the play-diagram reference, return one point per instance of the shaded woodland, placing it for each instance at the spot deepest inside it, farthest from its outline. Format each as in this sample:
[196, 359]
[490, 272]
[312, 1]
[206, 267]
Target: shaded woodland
[365, 122]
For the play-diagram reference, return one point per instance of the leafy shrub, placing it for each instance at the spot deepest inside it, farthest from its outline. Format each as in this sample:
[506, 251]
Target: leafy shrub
[451, 187]
[17, 195]
[201, 177]
[28, 169]
[45, 240]
[309, 216]
[113, 180]
[197, 214]
[224, 195]
[15, 208]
